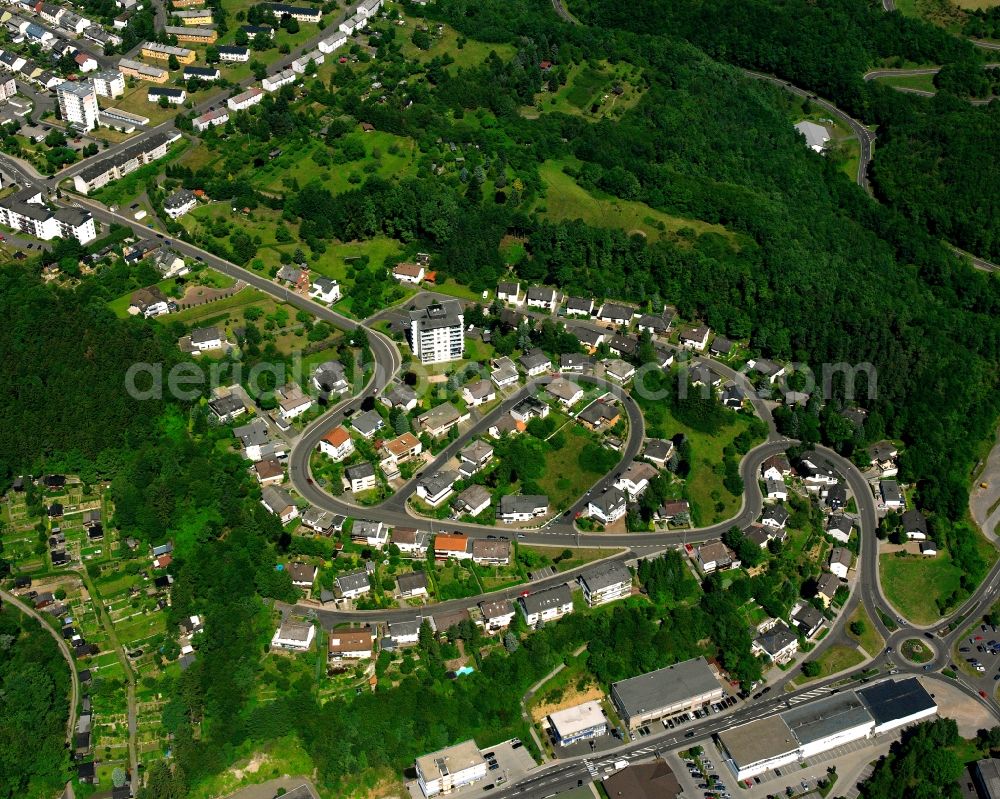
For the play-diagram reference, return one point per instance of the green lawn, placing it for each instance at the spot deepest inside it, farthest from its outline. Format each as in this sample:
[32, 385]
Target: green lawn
[833, 660]
[587, 86]
[396, 158]
[565, 480]
[869, 640]
[469, 54]
[922, 82]
[211, 310]
[710, 500]
[914, 584]
[566, 199]
[576, 559]
[916, 651]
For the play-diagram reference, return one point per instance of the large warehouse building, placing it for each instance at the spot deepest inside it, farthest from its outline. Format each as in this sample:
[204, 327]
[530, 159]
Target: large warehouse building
[808, 729]
[665, 692]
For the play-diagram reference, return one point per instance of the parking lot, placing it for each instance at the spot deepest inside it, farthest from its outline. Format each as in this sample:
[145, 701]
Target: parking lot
[508, 763]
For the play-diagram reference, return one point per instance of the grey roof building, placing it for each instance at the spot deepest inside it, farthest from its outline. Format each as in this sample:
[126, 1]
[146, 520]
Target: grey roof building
[665, 691]
[547, 599]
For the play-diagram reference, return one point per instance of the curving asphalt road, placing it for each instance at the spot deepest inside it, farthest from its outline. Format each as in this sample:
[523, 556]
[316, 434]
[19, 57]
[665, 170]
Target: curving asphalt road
[74, 696]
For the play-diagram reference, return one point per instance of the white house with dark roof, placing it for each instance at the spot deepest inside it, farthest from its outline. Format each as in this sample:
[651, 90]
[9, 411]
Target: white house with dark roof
[294, 635]
[546, 605]
[606, 583]
[695, 338]
[543, 298]
[510, 292]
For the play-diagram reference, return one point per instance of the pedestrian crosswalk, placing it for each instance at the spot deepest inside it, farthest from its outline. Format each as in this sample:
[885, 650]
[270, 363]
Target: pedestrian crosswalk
[813, 694]
[591, 767]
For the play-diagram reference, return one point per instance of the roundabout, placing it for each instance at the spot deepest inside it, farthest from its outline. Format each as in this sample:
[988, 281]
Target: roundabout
[916, 651]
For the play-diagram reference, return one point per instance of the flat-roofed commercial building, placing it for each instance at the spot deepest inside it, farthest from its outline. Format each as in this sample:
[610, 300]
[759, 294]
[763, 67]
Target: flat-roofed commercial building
[665, 692]
[810, 728]
[450, 768]
[897, 704]
[578, 723]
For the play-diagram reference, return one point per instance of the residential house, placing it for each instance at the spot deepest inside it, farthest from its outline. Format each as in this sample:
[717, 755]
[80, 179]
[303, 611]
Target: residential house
[179, 203]
[579, 306]
[410, 541]
[695, 338]
[350, 645]
[839, 527]
[149, 302]
[624, 346]
[915, 525]
[398, 450]
[368, 423]
[325, 289]
[404, 633]
[836, 497]
[173, 96]
[590, 339]
[676, 511]
[292, 402]
[600, 415]
[892, 496]
[720, 346]
[535, 362]
[605, 583]
[474, 457]
[330, 378]
[412, 584]
[436, 488]
[239, 54]
[491, 551]
[353, 584]
[473, 500]
[479, 393]
[779, 643]
[294, 635]
[928, 549]
[883, 457]
[439, 420]
[522, 507]
[776, 467]
[529, 408]
[496, 614]
[634, 480]
[546, 605]
[504, 372]
[769, 370]
[211, 119]
[566, 392]
[360, 477]
[776, 489]
[322, 521]
[243, 100]
[449, 769]
[658, 451]
[510, 292]
[202, 73]
[762, 535]
[408, 273]
[826, 588]
[451, 545]
[574, 362]
[169, 264]
[336, 443]
[206, 338]
[303, 574]
[373, 534]
[817, 475]
[732, 396]
[716, 556]
[280, 503]
[840, 563]
[807, 620]
[655, 325]
[400, 396]
[775, 516]
[613, 313]
[269, 472]
[618, 370]
[543, 297]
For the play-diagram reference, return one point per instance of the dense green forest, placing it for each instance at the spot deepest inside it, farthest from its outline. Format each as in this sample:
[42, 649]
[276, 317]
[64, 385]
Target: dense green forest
[34, 697]
[922, 765]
